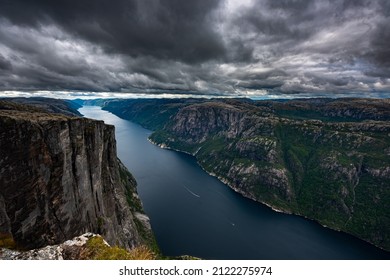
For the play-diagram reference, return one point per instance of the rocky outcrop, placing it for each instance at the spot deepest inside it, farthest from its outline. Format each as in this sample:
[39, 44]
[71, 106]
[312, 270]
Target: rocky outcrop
[324, 159]
[60, 177]
[69, 250]
[88, 246]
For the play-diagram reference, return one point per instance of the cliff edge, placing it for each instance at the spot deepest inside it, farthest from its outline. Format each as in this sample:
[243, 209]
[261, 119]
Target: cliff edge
[60, 177]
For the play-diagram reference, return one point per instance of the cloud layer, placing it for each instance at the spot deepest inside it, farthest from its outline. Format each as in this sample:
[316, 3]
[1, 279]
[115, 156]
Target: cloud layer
[227, 47]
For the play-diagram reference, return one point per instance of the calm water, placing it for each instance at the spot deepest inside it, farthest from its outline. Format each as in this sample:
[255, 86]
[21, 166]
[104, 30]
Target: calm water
[192, 213]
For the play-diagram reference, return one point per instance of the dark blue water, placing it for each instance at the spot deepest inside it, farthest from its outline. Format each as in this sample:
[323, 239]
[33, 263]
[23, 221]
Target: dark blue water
[193, 213]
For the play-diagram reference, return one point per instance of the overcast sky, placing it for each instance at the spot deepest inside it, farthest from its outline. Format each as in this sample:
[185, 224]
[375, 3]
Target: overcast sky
[252, 48]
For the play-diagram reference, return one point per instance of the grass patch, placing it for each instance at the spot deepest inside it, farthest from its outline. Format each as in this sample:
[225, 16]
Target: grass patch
[7, 241]
[96, 249]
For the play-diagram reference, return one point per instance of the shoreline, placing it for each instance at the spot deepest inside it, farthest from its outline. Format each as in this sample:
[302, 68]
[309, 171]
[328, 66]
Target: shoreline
[224, 181]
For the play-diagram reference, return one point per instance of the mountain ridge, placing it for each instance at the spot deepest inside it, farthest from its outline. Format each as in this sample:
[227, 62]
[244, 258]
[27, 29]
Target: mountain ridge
[333, 168]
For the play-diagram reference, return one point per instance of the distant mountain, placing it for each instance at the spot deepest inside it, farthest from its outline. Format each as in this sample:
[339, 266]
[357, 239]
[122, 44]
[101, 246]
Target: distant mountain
[91, 102]
[49, 105]
[325, 159]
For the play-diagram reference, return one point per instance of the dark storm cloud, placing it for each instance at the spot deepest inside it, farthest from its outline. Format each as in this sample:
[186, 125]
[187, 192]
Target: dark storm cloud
[172, 29]
[287, 23]
[380, 50]
[4, 64]
[244, 48]
[321, 45]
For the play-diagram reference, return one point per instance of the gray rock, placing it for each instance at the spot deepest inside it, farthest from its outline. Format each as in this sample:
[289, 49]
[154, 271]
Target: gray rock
[59, 178]
[70, 249]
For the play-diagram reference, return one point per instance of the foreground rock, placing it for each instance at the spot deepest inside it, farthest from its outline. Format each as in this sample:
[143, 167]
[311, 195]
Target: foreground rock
[70, 249]
[60, 177]
[88, 246]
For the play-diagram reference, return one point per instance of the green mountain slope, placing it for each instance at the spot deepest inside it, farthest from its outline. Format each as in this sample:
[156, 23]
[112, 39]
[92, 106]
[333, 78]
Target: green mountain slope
[328, 160]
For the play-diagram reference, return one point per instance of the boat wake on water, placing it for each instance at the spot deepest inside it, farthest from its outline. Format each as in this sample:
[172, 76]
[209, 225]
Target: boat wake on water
[191, 192]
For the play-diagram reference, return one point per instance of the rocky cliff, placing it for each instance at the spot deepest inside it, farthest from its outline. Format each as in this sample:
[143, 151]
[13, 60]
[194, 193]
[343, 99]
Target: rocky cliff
[328, 160]
[60, 177]
[88, 246]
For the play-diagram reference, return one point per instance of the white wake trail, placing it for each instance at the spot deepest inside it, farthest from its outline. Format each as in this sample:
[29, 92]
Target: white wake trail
[191, 192]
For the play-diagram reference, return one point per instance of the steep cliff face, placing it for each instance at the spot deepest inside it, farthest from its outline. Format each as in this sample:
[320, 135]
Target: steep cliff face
[59, 178]
[320, 162]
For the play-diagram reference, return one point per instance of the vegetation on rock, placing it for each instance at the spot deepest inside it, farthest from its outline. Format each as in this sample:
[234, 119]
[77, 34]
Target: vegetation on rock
[325, 159]
[97, 249]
